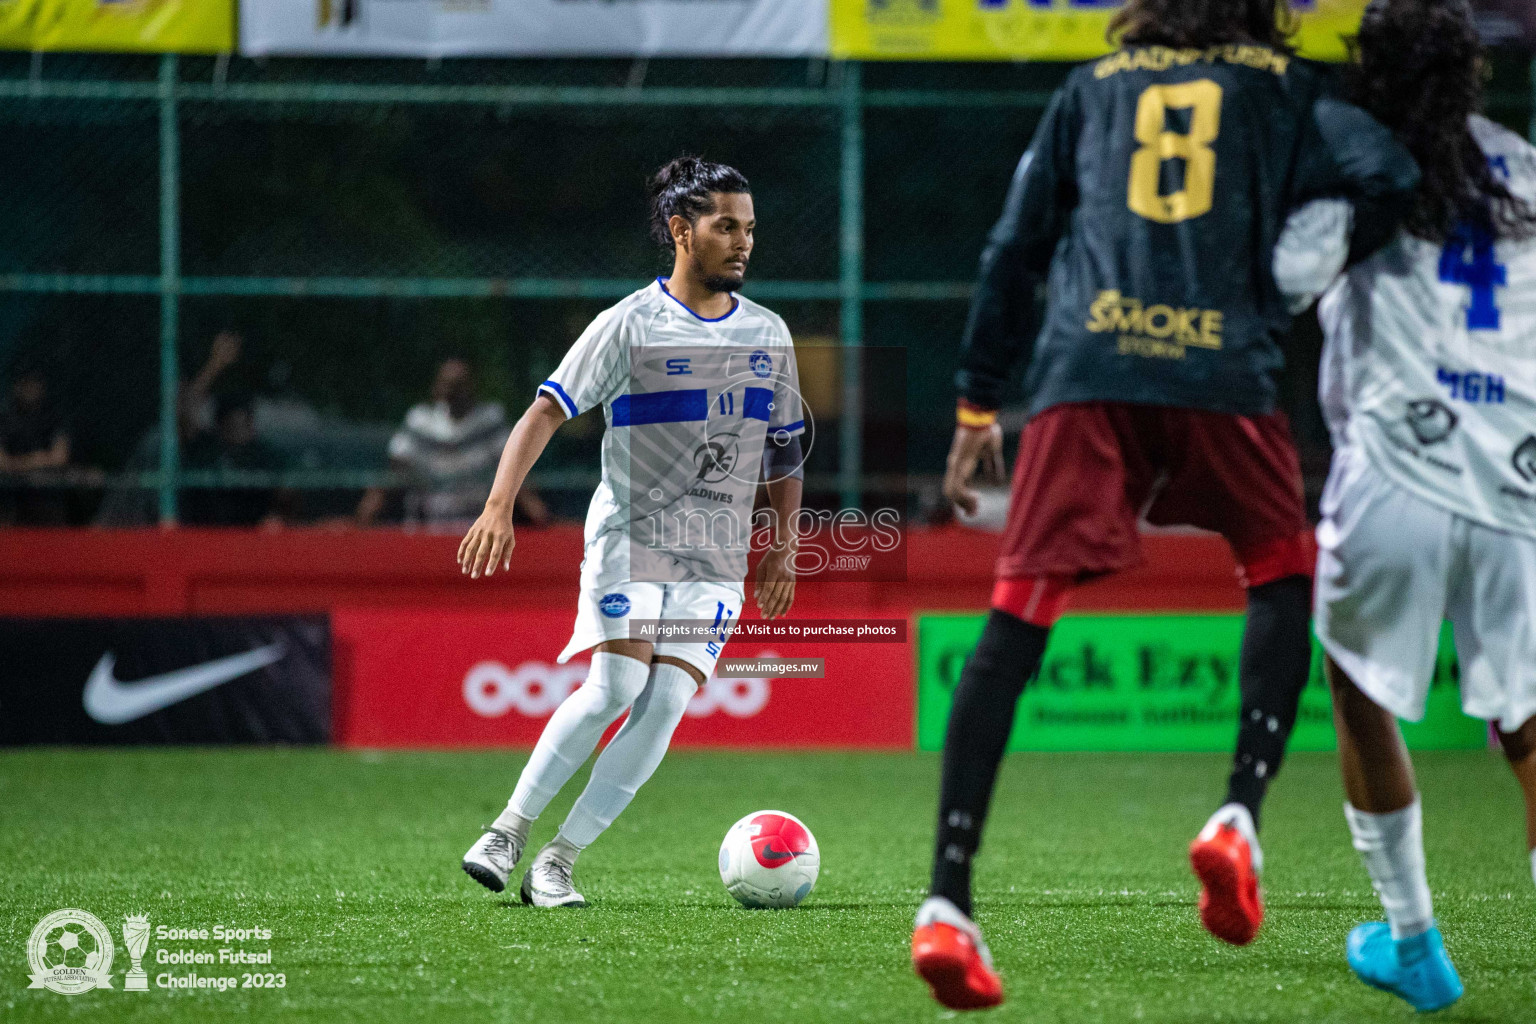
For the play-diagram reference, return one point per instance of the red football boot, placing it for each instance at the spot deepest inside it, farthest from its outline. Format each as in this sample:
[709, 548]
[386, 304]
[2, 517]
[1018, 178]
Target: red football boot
[1226, 859]
[949, 954]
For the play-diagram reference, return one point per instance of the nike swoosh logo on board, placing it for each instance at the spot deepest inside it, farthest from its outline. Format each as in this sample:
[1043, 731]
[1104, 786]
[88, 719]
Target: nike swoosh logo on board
[111, 701]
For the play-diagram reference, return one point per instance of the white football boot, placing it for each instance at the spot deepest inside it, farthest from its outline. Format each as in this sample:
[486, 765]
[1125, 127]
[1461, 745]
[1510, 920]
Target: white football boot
[491, 860]
[548, 882]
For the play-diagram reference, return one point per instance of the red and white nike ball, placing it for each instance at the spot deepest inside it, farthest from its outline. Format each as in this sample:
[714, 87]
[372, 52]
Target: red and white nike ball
[769, 859]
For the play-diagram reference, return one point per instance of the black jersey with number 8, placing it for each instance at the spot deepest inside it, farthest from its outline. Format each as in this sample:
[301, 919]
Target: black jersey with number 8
[1152, 196]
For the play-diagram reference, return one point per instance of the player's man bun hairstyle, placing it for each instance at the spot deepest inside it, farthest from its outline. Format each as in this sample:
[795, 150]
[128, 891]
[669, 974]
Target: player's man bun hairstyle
[685, 188]
[1197, 24]
[1419, 69]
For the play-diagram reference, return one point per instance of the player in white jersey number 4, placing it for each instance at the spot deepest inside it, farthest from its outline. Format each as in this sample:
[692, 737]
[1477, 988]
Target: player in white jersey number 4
[1429, 387]
[700, 395]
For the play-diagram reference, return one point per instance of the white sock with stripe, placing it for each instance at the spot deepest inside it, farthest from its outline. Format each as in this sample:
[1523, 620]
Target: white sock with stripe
[1392, 846]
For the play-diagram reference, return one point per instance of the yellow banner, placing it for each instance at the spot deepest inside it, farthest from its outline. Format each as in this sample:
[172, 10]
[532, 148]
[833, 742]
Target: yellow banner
[1030, 29]
[158, 26]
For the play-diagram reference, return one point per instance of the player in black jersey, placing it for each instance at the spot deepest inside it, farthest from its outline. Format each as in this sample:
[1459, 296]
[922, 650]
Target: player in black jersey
[1150, 203]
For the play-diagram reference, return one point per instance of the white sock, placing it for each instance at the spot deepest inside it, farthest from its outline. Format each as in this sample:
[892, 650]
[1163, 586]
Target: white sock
[561, 849]
[512, 823]
[1392, 846]
[574, 729]
[624, 765]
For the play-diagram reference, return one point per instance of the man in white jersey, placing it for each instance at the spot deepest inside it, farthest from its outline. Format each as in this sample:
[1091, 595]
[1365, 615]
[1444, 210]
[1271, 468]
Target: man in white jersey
[1429, 387]
[700, 395]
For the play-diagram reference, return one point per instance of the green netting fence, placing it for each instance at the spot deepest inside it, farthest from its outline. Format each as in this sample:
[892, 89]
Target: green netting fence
[355, 221]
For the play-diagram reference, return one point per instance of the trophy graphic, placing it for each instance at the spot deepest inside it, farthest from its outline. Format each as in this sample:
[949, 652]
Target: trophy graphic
[136, 937]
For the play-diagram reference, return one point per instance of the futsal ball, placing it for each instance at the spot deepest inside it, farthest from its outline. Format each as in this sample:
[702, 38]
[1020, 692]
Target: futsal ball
[769, 859]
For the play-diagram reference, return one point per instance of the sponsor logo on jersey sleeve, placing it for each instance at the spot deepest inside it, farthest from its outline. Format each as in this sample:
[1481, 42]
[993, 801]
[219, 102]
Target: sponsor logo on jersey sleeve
[614, 606]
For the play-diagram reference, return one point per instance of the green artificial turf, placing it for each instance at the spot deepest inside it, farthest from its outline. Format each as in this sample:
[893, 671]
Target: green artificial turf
[352, 860]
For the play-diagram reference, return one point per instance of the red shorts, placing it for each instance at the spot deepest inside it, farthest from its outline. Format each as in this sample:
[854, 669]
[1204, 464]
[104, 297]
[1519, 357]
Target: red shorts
[1087, 472]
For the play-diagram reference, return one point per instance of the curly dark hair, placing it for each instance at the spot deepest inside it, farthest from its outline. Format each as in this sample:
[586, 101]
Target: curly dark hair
[1419, 69]
[1197, 24]
[684, 188]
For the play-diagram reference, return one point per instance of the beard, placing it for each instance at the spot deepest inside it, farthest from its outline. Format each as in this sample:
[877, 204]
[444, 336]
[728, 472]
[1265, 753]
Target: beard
[724, 282]
[719, 280]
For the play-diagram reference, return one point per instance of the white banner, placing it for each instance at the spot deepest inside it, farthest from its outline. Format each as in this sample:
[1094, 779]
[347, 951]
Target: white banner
[594, 28]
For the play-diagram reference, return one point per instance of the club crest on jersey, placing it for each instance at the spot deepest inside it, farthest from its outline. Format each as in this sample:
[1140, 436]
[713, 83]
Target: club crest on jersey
[1524, 460]
[1431, 420]
[761, 363]
[615, 606]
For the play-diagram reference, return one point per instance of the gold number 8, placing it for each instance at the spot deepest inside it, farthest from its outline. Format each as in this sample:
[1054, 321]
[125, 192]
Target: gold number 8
[1158, 144]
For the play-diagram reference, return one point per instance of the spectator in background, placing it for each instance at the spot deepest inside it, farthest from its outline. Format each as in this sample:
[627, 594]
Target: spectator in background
[218, 434]
[232, 445]
[448, 449]
[33, 438]
[197, 426]
[196, 407]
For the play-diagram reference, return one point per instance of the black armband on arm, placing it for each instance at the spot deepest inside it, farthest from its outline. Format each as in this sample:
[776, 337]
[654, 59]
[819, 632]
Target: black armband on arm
[783, 460]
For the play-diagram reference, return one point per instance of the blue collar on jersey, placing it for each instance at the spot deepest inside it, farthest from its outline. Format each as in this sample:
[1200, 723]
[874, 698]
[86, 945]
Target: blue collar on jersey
[706, 319]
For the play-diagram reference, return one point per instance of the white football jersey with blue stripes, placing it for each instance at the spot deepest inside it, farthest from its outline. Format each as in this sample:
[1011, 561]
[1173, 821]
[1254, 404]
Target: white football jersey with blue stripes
[689, 404]
[1430, 356]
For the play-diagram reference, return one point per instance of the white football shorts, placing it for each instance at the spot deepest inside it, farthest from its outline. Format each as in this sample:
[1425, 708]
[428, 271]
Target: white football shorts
[610, 600]
[1391, 567]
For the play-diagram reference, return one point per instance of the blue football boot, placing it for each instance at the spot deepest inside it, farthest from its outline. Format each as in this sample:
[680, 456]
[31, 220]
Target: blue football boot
[1416, 969]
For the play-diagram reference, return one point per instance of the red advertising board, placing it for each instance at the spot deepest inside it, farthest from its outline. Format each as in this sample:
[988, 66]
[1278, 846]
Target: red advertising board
[445, 677]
